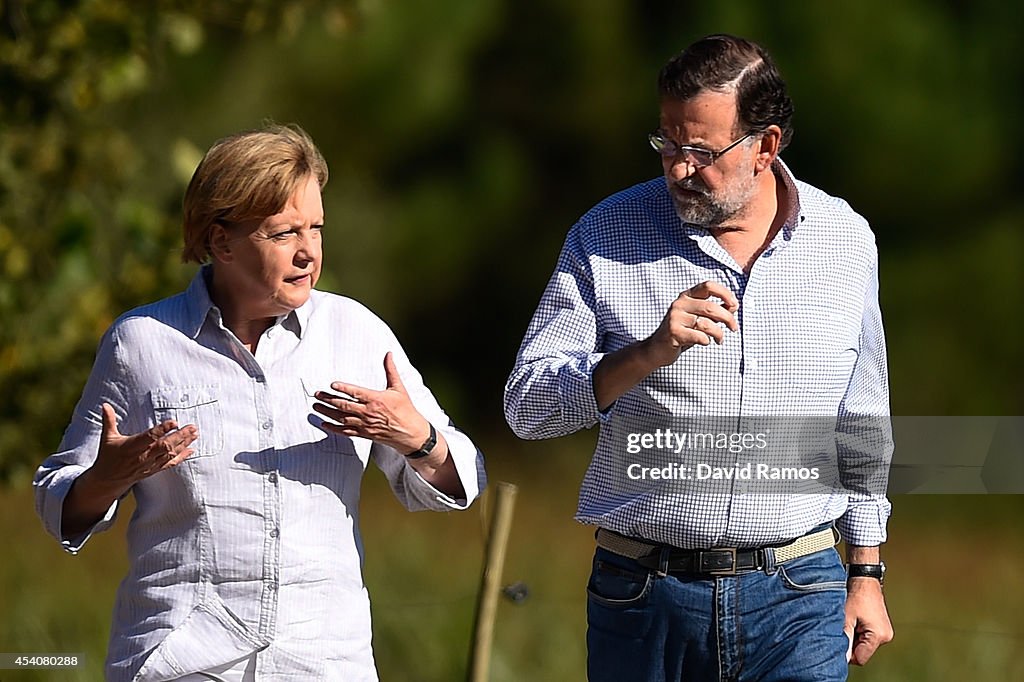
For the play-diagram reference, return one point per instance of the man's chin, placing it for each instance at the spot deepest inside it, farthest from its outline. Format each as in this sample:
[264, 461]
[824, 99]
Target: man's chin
[688, 215]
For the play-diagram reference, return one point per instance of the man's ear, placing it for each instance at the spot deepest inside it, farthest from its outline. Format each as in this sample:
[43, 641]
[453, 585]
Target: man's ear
[767, 148]
[220, 244]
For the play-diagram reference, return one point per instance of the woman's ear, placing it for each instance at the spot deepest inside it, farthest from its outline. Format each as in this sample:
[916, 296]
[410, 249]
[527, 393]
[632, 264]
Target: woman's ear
[220, 244]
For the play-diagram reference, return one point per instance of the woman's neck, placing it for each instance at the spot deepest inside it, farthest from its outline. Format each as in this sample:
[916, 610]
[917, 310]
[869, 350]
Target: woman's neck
[248, 328]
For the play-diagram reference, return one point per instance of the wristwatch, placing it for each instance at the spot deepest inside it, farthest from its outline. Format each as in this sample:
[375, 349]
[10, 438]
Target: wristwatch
[427, 446]
[876, 571]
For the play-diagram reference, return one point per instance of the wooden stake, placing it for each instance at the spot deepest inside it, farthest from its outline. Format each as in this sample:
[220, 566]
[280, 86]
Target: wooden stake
[490, 585]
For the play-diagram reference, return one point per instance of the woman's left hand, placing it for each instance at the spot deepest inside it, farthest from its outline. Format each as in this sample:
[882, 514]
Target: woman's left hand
[387, 417]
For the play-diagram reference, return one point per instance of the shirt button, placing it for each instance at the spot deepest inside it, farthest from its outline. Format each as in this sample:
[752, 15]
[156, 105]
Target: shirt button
[270, 332]
[272, 586]
[272, 477]
[274, 533]
[184, 398]
[267, 424]
[753, 365]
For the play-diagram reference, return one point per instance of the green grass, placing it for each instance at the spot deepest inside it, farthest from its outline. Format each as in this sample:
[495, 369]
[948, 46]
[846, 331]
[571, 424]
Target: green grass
[955, 587]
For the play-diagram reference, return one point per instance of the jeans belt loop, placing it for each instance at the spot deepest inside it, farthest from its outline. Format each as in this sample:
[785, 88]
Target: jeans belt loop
[663, 558]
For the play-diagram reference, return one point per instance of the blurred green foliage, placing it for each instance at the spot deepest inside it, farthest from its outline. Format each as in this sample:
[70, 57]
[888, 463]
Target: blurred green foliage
[464, 138]
[88, 223]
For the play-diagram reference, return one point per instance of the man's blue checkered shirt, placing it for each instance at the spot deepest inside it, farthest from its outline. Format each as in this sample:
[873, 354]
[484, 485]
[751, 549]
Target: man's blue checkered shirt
[810, 342]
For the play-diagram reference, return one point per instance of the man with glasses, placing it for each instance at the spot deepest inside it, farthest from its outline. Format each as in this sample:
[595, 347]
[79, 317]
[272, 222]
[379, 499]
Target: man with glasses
[726, 292]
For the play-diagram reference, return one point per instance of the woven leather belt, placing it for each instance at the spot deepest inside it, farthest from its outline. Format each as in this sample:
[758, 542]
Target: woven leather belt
[713, 562]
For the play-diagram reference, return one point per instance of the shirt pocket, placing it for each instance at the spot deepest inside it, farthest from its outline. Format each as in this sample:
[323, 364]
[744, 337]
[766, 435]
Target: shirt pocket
[325, 440]
[196, 405]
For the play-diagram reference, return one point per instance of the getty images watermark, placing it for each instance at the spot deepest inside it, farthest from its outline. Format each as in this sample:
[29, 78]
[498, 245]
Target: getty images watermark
[703, 457]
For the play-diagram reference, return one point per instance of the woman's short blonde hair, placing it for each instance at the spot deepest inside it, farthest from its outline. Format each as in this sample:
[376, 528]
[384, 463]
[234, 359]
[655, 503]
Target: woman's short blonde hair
[244, 177]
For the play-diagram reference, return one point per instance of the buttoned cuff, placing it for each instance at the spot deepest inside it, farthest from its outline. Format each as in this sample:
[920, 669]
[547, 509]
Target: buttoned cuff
[576, 391]
[864, 523]
[52, 509]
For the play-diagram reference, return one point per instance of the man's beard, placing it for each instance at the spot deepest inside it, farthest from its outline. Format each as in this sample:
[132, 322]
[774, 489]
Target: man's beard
[700, 207]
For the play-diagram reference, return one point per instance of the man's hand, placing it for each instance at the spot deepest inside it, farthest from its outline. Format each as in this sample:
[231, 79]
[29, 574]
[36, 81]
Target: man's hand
[122, 461]
[387, 417]
[867, 621]
[693, 319]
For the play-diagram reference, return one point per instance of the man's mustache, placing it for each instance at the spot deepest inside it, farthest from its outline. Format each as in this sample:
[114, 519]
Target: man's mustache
[693, 185]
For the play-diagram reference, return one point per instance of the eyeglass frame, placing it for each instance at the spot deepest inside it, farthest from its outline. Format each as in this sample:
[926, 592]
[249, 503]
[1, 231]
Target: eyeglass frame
[690, 150]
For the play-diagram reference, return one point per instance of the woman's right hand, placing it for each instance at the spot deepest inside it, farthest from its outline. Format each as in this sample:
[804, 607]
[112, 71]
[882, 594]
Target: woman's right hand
[122, 462]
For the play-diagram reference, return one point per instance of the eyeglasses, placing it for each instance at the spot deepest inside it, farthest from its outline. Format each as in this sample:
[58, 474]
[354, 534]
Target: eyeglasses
[698, 156]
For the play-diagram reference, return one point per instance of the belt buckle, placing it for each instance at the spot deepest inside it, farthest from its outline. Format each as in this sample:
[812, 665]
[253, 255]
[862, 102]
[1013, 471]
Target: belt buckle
[725, 571]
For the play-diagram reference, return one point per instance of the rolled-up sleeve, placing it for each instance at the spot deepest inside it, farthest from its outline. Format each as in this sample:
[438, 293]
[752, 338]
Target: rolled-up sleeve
[550, 391]
[411, 489]
[80, 445]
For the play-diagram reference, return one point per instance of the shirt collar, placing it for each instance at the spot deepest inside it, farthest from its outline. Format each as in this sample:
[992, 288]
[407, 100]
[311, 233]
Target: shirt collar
[793, 217]
[297, 319]
[201, 307]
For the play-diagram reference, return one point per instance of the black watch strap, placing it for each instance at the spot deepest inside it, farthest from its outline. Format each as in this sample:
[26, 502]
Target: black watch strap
[427, 446]
[876, 571]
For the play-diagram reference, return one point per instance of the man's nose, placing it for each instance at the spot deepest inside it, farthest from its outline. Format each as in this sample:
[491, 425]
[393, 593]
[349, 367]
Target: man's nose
[680, 167]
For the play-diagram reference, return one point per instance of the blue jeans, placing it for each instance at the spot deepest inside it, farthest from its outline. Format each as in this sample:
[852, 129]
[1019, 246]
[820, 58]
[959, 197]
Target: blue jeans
[781, 624]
